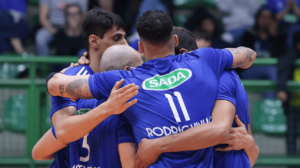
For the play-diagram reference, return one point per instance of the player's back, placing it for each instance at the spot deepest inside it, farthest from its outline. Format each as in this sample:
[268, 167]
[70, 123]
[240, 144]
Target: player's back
[233, 158]
[99, 148]
[176, 93]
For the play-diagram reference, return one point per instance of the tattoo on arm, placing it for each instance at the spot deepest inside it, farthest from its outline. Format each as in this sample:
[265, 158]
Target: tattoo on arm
[234, 50]
[77, 89]
[246, 52]
[61, 89]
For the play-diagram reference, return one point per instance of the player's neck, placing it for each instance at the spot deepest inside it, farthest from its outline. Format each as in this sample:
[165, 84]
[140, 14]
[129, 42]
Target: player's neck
[155, 53]
[95, 62]
[155, 56]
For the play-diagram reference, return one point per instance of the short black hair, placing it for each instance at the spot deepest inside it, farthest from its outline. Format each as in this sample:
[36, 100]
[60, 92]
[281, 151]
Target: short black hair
[98, 22]
[186, 39]
[155, 27]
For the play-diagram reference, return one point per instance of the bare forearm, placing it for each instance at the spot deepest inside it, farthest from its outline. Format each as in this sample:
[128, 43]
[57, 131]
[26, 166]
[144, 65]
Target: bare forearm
[72, 87]
[243, 57]
[45, 148]
[208, 134]
[281, 15]
[76, 127]
[252, 153]
[45, 23]
[17, 45]
[127, 152]
[44, 10]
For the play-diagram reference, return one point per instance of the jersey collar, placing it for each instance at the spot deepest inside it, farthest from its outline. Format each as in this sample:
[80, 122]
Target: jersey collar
[159, 63]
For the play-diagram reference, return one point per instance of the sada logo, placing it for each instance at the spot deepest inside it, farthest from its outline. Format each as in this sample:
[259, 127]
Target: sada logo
[168, 81]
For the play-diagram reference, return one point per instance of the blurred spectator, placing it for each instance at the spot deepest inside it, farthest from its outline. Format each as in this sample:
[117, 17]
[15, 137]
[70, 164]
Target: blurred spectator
[106, 4]
[68, 41]
[265, 40]
[52, 18]
[239, 16]
[145, 5]
[288, 13]
[280, 7]
[202, 21]
[13, 27]
[291, 101]
[126, 9]
[203, 39]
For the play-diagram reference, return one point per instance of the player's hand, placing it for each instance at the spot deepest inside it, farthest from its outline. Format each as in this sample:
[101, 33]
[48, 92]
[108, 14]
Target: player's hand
[147, 153]
[239, 138]
[117, 101]
[83, 59]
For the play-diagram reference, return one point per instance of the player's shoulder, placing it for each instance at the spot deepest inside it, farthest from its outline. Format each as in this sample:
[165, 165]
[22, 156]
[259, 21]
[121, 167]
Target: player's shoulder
[209, 52]
[195, 54]
[202, 51]
[79, 70]
[231, 77]
[134, 71]
[228, 78]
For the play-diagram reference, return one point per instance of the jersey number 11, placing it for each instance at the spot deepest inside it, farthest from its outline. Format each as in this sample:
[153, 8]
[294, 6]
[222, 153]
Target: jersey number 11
[182, 106]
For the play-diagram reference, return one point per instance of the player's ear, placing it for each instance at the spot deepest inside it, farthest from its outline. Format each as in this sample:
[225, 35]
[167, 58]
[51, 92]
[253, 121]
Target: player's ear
[127, 68]
[94, 41]
[176, 42]
[141, 47]
[183, 50]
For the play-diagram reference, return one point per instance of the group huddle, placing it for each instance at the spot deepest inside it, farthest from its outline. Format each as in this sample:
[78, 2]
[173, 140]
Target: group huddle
[183, 108]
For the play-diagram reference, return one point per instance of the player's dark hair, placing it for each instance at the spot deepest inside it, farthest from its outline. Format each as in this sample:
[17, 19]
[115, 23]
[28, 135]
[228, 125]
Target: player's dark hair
[155, 27]
[98, 22]
[186, 39]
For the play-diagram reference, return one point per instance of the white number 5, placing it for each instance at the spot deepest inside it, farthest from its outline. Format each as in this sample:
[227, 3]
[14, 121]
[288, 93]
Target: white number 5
[85, 145]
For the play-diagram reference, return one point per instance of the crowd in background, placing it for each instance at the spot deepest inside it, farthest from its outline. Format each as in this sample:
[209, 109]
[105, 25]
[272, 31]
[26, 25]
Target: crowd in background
[271, 29]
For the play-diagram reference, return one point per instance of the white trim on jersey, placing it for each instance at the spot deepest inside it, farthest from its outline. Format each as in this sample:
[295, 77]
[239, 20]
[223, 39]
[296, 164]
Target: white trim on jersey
[80, 71]
[85, 72]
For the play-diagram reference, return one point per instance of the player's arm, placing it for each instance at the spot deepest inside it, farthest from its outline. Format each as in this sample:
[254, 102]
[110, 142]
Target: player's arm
[71, 128]
[252, 151]
[45, 148]
[241, 139]
[126, 142]
[127, 152]
[243, 57]
[72, 87]
[210, 134]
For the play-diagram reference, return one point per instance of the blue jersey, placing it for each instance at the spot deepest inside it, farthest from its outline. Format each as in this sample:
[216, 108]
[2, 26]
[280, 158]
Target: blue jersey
[62, 157]
[99, 148]
[231, 89]
[176, 93]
